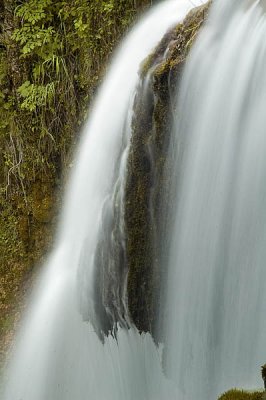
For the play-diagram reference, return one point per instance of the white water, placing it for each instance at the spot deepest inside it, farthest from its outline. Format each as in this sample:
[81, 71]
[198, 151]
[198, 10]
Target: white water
[217, 285]
[58, 356]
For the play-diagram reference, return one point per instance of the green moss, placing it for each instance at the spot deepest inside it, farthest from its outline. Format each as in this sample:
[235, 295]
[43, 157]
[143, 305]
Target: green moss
[148, 178]
[44, 96]
[45, 89]
[236, 394]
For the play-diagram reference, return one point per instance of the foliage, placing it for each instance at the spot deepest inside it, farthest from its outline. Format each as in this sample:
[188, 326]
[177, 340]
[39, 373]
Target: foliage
[36, 95]
[53, 54]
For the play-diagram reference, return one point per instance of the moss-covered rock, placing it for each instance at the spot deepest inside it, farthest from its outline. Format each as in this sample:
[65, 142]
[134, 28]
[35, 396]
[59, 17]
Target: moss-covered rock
[132, 251]
[236, 394]
[149, 165]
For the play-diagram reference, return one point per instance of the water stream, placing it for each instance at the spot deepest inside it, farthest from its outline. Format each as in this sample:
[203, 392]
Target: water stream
[217, 283]
[58, 356]
[216, 298]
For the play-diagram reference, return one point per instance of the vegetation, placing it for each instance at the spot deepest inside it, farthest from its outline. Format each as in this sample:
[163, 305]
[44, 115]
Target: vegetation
[242, 395]
[147, 186]
[52, 57]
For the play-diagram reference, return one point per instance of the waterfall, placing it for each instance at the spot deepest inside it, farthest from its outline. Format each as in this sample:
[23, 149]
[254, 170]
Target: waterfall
[216, 330]
[58, 355]
[216, 285]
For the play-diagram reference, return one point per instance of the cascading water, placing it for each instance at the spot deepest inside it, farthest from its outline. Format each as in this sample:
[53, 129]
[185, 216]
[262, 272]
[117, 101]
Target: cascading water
[57, 355]
[216, 291]
[217, 282]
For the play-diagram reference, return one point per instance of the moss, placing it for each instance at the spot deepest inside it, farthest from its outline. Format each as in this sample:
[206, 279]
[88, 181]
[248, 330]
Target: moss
[37, 136]
[42, 202]
[236, 394]
[148, 177]
[23, 241]
[37, 148]
[178, 42]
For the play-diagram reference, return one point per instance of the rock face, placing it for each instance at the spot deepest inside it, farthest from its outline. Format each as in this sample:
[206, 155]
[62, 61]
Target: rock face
[148, 189]
[131, 268]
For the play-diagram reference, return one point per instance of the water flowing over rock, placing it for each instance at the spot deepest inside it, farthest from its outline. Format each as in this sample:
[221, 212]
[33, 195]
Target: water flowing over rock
[131, 259]
[164, 223]
[150, 162]
[58, 354]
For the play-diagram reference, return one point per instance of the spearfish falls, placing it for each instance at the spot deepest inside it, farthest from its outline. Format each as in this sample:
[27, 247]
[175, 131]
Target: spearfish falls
[156, 289]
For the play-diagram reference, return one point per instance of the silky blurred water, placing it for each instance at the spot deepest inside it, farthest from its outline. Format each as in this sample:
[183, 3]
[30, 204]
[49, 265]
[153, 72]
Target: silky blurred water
[217, 282]
[57, 356]
[216, 298]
